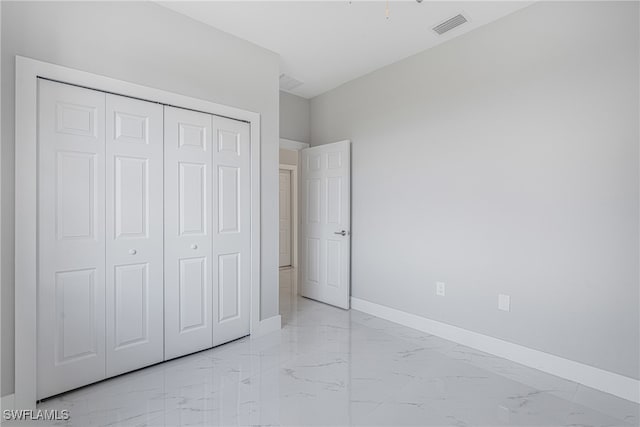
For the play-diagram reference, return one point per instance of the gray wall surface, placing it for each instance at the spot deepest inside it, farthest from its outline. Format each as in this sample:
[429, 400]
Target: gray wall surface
[147, 44]
[294, 117]
[288, 157]
[505, 161]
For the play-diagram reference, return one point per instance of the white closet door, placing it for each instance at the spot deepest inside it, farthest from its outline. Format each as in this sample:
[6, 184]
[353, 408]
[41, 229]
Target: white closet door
[188, 215]
[231, 229]
[285, 218]
[134, 234]
[71, 238]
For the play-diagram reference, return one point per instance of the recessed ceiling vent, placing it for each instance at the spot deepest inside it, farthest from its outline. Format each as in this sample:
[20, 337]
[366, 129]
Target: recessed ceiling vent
[288, 82]
[450, 24]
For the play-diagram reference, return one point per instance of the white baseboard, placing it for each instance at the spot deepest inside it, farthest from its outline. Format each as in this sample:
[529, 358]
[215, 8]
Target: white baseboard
[609, 382]
[6, 402]
[269, 325]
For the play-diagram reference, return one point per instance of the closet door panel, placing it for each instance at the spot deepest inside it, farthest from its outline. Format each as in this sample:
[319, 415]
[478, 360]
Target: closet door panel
[188, 232]
[232, 228]
[71, 237]
[134, 257]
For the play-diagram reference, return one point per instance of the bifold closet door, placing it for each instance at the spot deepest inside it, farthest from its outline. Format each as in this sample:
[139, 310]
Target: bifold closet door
[134, 234]
[144, 234]
[188, 232]
[207, 231]
[100, 236]
[232, 229]
[71, 238]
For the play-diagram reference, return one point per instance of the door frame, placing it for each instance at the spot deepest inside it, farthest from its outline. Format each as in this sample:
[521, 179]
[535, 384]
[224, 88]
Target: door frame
[291, 145]
[293, 170]
[26, 104]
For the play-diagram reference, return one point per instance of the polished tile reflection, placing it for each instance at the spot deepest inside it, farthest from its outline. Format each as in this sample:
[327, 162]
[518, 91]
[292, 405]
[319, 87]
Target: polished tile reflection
[333, 367]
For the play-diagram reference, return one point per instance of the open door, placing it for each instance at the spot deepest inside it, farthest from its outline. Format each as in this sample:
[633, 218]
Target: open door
[326, 223]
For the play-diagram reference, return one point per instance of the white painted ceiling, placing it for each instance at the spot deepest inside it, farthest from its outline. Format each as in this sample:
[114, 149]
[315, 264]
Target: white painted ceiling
[327, 43]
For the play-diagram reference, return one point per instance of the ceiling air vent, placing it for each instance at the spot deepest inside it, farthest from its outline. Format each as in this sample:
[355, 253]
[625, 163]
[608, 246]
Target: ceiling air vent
[450, 24]
[288, 82]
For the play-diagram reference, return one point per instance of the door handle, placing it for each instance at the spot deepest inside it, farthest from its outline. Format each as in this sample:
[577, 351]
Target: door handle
[342, 233]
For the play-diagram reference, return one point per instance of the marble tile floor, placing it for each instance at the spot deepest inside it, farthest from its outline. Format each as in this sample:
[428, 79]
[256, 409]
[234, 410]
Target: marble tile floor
[330, 367]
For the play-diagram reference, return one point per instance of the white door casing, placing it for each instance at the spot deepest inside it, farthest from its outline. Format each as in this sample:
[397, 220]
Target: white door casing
[285, 217]
[188, 234]
[71, 231]
[134, 234]
[231, 229]
[31, 203]
[326, 223]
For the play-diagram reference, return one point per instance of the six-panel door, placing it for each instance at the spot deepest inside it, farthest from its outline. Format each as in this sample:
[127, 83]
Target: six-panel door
[188, 235]
[326, 220]
[71, 238]
[117, 188]
[231, 229]
[134, 234]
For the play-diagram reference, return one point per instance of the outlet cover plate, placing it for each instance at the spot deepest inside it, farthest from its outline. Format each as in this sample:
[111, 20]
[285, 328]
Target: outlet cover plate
[440, 289]
[504, 302]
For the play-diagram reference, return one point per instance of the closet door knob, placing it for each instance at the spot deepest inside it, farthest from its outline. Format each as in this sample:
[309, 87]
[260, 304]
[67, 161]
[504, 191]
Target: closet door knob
[132, 252]
[194, 246]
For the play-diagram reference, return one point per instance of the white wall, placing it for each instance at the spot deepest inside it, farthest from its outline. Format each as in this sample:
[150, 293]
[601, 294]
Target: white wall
[294, 117]
[505, 161]
[147, 44]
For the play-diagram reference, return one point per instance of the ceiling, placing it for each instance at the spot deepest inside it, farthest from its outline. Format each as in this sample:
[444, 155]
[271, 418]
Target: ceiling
[327, 43]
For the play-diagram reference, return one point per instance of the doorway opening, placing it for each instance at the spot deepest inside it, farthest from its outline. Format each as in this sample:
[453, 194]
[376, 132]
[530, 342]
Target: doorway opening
[288, 230]
[288, 253]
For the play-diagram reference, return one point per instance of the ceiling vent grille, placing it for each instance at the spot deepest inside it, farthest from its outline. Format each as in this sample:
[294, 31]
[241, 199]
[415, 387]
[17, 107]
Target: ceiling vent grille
[288, 82]
[450, 24]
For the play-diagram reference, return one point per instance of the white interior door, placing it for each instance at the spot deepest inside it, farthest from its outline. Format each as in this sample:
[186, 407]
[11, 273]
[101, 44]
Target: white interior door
[326, 223]
[134, 234]
[285, 218]
[231, 230]
[188, 232]
[71, 233]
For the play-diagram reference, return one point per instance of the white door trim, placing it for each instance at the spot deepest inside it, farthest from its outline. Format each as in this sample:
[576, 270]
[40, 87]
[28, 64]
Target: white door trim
[295, 220]
[27, 73]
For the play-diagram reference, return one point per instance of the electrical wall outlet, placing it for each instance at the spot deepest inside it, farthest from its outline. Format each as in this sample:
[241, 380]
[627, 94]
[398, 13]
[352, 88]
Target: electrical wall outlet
[440, 289]
[504, 302]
